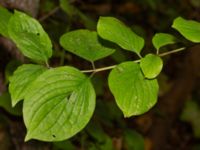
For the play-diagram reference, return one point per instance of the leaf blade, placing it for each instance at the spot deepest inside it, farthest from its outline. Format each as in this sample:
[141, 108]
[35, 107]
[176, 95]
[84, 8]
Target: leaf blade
[4, 19]
[59, 104]
[133, 93]
[161, 39]
[151, 66]
[85, 44]
[190, 29]
[112, 29]
[30, 37]
[21, 79]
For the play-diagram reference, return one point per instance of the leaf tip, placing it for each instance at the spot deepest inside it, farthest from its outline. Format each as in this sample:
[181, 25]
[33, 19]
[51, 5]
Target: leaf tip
[127, 114]
[13, 103]
[176, 20]
[27, 137]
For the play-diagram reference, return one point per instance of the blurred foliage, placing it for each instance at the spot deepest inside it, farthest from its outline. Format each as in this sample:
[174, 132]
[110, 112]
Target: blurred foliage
[134, 141]
[191, 114]
[5, 102]
[10, 68]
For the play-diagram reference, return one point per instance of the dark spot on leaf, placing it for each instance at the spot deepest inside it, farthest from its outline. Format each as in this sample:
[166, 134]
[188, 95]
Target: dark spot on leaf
[53, 135]
[38, 34]
[68, 96]
[119, 69]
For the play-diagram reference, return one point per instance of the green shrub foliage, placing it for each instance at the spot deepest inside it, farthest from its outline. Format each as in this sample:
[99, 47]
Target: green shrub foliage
[59, 102]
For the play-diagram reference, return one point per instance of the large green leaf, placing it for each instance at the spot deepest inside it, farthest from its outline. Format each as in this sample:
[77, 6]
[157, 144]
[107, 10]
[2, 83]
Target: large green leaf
[133, 93]
[59, 103]
[21, 80]
[30, 37]
[161, 39]
[190, 29]
[4, 19]
[114, 30]
[151, 65]
[85, 44]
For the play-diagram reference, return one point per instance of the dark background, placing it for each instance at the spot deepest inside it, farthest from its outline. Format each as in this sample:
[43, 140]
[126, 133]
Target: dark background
[173, 124]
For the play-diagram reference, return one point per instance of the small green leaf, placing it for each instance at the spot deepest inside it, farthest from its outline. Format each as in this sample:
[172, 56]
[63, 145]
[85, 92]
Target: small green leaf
[133, 93]
[114, 30]
[59, 104]
[161, 39]
[190, 29]
[29, 36]
[21, 80]
[85, 44]
[151, 65]
[4, 19]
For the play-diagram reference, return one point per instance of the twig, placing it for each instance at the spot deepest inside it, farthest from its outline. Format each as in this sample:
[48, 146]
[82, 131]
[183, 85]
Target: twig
[49, 14]
[113, 66]
[99, 69]
[173, 51]
[47, 64]
[93, 65]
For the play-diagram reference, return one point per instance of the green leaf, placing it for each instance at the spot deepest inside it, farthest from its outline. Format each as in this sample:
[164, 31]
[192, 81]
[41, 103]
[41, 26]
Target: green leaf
[161, 39]
[133, 93]
[190, 29]
[21, 79]
[114, 30]
[29, 36]
[4, 19]
[151, 65]
[133, 140]
[59, 104]
[85, 44]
